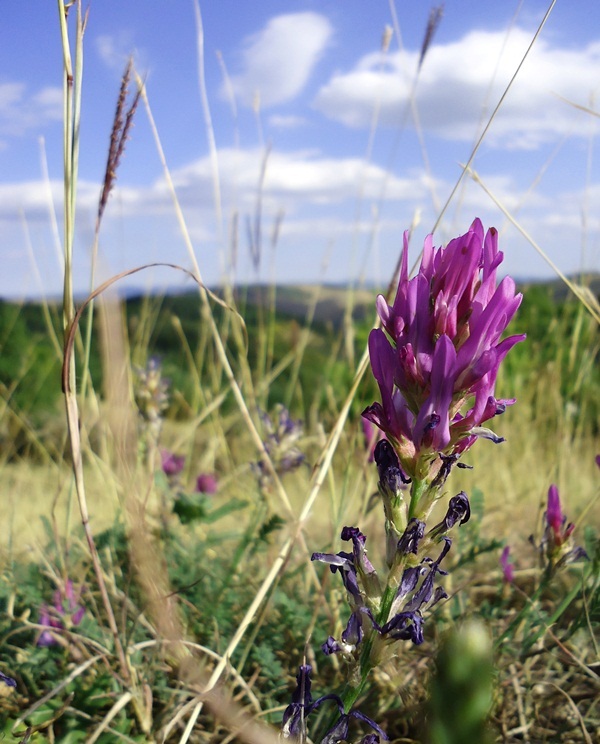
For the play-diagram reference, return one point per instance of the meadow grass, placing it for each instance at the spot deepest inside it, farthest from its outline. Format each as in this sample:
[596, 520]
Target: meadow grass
[177, 615]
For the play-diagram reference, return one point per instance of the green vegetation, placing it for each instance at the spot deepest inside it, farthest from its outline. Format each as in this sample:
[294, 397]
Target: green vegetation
[217, 549]
[156, 578]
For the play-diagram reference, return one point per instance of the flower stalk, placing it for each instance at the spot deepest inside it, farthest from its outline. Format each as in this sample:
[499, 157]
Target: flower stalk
[435, 360]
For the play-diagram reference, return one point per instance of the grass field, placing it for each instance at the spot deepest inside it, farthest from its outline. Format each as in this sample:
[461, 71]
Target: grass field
[168, 510]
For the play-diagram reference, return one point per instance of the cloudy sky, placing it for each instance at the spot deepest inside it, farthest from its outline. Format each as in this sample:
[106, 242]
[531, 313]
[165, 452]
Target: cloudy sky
[329, 142]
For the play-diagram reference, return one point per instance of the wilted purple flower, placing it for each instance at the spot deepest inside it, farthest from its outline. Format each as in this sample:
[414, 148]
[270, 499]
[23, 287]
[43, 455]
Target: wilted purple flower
[340, 729]
[459, 510]
[557, 546]
[207, 483]
[412, 536]
[358, 575]
[293, 723]
[65, 612]
[508, 569]
[302, 705]
[8, 681]
[442, 350]
[172, 464]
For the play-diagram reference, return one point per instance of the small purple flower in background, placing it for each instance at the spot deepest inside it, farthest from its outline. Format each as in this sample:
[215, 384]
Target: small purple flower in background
[282, 434]
[442, 350]
[172, 464]
[508, 569]
[207, 483]
[557, 547]
[65, 612]
[555, 519]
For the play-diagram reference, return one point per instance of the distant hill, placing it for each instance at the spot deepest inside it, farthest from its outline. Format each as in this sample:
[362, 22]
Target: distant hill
[332, 300]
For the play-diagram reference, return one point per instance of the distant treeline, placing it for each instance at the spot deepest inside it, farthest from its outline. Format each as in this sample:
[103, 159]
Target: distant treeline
[172, 328]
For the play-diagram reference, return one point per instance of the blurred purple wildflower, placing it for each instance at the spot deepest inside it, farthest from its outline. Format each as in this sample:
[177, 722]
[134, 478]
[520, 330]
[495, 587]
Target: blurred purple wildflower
[172, 464]
[443, 350]
[151, 391]
[65, 612]
[207, 483]
[282, 434]
[508, 569]
[557, 547]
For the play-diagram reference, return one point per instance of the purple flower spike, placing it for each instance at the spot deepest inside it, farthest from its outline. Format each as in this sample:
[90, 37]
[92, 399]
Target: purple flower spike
[65, 612]
[508, 569]
[440, 349]
[555, 517]
[557, 545]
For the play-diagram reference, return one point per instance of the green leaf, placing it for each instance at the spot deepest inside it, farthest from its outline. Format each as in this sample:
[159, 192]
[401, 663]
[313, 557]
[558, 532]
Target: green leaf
[195, 507]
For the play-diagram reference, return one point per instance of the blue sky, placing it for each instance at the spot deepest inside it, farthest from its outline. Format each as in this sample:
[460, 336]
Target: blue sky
[294, 89]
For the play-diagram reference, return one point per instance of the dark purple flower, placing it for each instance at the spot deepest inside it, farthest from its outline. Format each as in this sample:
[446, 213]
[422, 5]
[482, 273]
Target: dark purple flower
[413, 534]
[172, 464]
[293, 722]
[207, 483]
[8, 681]
[440, 347]
[331, 646]
[391, 478]
[508, 569]
[406, 621]
[340, 729]
[358, 575]
[459, 510]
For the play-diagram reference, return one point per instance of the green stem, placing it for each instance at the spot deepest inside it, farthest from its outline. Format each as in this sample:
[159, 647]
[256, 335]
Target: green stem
[417, 490]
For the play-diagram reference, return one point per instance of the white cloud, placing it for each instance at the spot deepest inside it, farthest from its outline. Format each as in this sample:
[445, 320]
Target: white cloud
[22, 110]
[282, 121]
[278, 60]
[292, 179]
[114, 49]
[461, 82]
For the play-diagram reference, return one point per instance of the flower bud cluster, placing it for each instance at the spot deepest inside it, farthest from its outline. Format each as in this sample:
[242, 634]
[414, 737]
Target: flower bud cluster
[437, 358]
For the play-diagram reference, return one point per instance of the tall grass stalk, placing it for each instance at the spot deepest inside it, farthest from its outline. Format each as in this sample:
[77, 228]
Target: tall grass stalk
[72, 111]
[590, 303]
